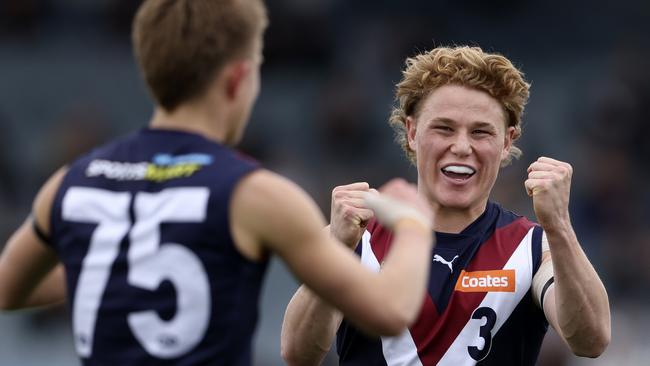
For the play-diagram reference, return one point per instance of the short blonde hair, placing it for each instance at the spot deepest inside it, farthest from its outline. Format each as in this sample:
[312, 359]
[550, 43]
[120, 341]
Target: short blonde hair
[466, 66]
[181, 44]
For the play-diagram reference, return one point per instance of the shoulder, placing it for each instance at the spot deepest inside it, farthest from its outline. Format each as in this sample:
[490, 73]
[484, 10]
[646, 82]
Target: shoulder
[263, 187]
[42, 205]
[101, 151]
[266, 197]
[515, 226]
[505, 217]
[271, 208]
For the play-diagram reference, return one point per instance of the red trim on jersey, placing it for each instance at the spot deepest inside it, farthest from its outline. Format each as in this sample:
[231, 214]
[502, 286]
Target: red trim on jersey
[380, 240]
[434, 333]
[493, 254]
[421, 329]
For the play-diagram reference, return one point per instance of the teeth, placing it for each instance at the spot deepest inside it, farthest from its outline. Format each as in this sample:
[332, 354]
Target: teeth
[458, 169]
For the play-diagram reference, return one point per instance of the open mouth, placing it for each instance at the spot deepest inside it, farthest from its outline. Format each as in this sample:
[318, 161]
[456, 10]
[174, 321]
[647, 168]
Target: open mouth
[460, 172]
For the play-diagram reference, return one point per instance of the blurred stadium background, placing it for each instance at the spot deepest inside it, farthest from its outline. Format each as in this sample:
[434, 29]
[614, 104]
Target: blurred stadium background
[68, 82]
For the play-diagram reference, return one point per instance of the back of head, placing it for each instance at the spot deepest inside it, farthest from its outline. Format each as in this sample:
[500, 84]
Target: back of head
[180, 45]
[466, 66]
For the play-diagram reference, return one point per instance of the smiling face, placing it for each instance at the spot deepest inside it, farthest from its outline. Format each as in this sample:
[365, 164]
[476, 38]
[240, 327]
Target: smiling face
[459, 137]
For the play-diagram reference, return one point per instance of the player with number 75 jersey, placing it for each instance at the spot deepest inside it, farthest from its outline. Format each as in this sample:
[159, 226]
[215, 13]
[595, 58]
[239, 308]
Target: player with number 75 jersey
[155, 270]
[165, 233]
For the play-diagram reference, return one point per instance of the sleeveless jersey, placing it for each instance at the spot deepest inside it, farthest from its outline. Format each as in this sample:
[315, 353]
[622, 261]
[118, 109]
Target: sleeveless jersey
[479, 309]
[154, 278]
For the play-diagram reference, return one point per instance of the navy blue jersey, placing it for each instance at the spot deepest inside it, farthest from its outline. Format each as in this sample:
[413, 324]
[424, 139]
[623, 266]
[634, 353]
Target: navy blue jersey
[154, 278]
[479, 309]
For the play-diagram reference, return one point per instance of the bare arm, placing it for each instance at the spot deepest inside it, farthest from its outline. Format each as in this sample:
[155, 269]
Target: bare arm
[308, 329]
[310, 324]
[288, 222]
[576, 305]
[29, 275]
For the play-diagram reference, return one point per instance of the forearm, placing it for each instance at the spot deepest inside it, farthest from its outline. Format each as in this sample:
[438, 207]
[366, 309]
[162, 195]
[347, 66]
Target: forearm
[25, 264]
[581, 301]
[308, 328]
[50, 291]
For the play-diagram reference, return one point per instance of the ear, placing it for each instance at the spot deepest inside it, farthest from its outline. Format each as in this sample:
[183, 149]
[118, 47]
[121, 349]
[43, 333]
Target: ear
[236, 73]
[507, 142]
[411, 129]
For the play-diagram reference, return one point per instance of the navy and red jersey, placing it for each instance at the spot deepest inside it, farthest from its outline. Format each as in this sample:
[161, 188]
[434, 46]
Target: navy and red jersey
[479, 309]
[154, 278]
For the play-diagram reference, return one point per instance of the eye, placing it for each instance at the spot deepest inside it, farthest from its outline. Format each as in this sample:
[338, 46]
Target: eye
[482, 132]
[443, 128]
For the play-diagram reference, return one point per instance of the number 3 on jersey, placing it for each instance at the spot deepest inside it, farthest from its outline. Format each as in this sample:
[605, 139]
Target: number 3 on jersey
[149, 263]
[485, 332]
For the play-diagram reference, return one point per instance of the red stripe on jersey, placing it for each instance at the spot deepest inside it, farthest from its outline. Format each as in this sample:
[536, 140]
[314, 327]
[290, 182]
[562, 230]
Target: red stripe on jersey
[493, 254]
[421, 332]
[434, 333]
[380, 240]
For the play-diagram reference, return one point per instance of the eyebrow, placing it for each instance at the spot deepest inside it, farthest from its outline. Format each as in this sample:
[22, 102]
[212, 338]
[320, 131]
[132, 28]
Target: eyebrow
[476, 124]
[481, 124]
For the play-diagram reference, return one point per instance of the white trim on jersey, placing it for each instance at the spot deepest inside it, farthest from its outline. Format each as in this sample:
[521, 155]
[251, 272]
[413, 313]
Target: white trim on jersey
[399, 350]
[368, 258]
[545, 246]
[402, 351]
[503, 304]
[543, 275]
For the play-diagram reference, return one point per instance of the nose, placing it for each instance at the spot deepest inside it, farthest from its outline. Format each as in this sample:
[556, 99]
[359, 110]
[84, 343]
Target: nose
[461, 146]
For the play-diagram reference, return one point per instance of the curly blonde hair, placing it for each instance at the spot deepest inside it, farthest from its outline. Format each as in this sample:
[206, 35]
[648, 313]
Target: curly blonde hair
[466, 66]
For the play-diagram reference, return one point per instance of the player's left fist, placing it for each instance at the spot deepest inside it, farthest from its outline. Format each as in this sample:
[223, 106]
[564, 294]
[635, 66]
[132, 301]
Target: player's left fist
[549, 184]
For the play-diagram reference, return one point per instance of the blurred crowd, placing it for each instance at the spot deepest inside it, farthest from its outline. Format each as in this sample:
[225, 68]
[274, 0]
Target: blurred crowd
[68, 82]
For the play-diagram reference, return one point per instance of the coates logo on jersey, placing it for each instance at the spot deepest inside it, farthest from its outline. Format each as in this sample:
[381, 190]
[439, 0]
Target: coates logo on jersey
[487, 281]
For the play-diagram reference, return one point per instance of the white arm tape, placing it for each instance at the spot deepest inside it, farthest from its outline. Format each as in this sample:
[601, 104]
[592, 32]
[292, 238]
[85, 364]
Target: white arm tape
[542, 281]
[389, 211]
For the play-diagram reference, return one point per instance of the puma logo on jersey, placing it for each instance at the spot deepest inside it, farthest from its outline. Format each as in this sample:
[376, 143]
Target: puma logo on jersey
[438, 258]
[486, 281]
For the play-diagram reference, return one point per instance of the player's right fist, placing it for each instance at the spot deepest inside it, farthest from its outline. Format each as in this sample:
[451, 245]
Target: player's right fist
[349, 215]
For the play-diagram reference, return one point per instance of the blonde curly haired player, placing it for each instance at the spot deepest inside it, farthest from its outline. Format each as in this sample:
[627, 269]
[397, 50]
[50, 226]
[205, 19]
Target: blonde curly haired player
[468, 66]
[497, 279]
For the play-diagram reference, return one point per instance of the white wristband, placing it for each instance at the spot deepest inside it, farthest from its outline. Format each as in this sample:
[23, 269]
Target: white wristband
[389, 211]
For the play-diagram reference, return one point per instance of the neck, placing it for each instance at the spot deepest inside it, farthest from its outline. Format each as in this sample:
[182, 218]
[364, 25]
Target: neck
[454, 220]
[194, 118]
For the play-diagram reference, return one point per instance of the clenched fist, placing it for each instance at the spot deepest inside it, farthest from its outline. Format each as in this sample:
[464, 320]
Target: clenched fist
[549, 184]
[350, 215]
[351, 208]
